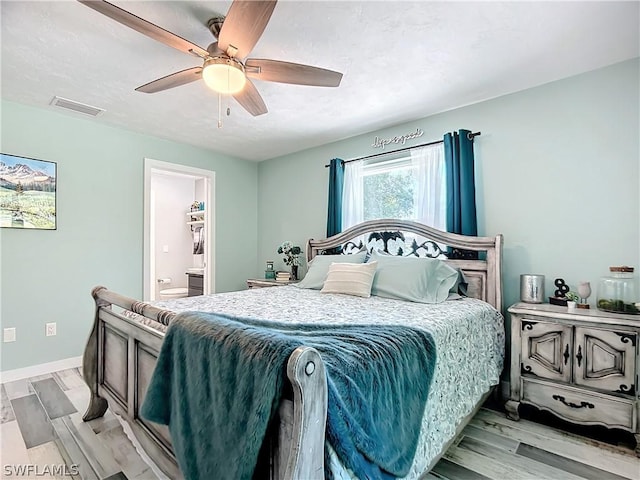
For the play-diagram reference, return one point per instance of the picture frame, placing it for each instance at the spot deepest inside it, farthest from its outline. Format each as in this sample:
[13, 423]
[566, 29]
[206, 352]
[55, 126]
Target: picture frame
[27, 193]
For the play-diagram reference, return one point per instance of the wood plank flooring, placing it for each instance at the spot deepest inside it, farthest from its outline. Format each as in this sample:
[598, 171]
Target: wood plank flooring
[42, 425]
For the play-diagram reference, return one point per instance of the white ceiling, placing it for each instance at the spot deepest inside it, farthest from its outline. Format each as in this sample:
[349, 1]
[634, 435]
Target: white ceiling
[401, 61]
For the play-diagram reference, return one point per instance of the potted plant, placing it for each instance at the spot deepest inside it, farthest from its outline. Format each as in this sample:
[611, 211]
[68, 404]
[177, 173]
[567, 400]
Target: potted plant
[291, 257]
[572, 300]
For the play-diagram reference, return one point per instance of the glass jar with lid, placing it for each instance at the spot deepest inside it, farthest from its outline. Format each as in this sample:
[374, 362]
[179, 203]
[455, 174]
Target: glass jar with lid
[618, 292]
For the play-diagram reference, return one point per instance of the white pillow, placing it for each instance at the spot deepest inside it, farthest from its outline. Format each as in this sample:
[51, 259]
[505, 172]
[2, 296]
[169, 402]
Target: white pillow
[350, 279]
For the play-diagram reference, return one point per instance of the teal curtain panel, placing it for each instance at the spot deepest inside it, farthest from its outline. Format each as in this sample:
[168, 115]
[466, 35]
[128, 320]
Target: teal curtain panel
[336, 185]
[461, 189]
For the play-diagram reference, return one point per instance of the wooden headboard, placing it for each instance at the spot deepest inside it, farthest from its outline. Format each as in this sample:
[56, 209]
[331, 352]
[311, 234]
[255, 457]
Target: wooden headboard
[407, 238]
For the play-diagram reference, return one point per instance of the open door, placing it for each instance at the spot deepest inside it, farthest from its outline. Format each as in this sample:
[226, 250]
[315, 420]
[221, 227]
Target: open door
[179, 234]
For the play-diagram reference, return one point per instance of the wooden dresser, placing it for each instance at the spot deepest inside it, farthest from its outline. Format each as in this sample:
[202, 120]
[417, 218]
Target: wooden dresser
[581, 365]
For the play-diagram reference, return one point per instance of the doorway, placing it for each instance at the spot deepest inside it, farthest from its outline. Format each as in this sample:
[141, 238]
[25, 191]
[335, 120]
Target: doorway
[179, 234]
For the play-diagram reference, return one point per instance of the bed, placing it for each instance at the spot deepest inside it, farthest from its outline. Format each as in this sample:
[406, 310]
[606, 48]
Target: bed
[127, 336]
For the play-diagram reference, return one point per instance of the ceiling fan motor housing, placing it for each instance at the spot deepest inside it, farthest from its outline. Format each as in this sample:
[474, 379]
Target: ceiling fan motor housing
[215, 25]
[224, 60]
[214, 51]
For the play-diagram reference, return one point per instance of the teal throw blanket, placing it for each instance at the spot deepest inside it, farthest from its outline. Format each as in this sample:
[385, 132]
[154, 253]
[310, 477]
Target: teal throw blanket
[219, 380]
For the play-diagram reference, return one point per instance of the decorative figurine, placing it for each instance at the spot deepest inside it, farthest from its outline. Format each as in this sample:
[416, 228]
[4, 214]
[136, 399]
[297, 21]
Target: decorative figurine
[560, 293]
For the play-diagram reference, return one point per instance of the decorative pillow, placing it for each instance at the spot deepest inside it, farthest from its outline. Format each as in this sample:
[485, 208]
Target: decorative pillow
[350, 279]
[319, 268]
[424, 280]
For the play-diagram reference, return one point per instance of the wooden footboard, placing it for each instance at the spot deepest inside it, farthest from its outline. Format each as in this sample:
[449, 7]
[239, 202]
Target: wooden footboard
[119, 359]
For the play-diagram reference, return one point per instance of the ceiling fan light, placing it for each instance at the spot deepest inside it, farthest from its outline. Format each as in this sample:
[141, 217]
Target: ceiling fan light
[224, 75]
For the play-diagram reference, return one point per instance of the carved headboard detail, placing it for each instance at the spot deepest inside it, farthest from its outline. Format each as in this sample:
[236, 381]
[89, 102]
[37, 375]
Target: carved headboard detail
[393, 243]
[407, 238]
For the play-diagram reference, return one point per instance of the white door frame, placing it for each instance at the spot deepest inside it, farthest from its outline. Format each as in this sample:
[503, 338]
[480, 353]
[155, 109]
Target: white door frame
[148, 269]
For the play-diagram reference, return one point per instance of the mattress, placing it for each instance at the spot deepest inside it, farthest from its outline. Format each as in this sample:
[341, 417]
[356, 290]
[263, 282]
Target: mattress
[468, 333]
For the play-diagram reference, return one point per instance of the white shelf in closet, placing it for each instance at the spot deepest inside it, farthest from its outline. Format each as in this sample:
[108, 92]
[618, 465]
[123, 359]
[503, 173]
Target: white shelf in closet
[196, 213]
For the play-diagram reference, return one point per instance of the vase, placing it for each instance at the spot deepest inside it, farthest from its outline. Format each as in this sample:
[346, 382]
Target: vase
[294, 272]
[532, 288]
[584, 290]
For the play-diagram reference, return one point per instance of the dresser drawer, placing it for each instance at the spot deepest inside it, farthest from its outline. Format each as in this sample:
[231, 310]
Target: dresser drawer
[577, 405]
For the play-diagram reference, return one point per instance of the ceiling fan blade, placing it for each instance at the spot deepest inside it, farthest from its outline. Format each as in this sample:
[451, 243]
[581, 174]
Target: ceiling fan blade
[250, 99]
[287, 72]
[174, 80]
[144, 27]
[243, 26]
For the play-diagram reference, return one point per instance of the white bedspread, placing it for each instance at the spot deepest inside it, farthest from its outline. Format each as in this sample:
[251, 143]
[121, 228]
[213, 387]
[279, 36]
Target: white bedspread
[469, 337]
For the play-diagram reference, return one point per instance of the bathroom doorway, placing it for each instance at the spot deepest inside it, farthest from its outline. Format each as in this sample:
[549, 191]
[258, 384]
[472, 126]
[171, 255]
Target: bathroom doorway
[179, 236]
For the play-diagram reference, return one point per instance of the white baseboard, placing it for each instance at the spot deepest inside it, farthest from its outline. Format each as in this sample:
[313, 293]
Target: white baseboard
[42, 369]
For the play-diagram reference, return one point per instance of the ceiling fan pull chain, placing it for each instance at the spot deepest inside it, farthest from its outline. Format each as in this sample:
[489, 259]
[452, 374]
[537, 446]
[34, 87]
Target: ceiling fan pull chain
[219, 110]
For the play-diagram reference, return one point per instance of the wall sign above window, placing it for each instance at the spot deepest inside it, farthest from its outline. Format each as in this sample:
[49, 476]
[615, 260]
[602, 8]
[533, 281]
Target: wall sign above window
[401, 139]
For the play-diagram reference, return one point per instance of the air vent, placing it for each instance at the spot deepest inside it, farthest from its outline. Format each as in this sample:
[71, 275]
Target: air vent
[76, 106]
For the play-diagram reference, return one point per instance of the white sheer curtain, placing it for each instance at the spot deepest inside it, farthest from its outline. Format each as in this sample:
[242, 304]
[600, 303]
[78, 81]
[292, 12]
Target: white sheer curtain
[353, 194]
[430, 197]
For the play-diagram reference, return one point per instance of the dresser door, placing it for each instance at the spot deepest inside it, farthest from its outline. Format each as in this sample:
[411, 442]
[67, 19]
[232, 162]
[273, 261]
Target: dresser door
[605, 359]
[546, 350]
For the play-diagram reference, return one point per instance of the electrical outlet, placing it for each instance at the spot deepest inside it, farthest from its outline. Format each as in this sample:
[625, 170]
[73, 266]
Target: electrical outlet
[9, 335]
[50, 329]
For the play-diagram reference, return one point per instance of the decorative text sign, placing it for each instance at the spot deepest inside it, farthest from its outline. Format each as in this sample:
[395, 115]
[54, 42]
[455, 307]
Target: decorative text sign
[401, 139]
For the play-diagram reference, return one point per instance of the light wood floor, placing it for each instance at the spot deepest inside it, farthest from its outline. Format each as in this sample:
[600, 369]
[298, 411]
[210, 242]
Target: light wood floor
[42, 425]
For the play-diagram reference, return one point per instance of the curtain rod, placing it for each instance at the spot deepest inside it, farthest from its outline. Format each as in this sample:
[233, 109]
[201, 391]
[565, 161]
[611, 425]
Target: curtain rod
[471, 136]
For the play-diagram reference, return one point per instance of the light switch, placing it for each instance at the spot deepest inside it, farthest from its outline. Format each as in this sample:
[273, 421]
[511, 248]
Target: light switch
[50, 329]
[165, 248]
[9, 335]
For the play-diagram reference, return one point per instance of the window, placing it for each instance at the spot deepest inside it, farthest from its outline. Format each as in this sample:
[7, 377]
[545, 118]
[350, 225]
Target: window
[388, 190]
[407, 187]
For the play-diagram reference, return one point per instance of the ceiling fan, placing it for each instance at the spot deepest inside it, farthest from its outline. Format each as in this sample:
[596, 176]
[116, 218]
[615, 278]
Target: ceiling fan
[226, 68]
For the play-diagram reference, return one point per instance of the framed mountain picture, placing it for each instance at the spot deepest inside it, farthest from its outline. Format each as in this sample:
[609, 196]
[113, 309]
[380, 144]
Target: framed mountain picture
[27, 193]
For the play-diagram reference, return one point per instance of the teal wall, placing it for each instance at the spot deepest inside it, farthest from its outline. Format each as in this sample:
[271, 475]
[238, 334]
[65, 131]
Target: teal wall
[47, 276]
[557, 173]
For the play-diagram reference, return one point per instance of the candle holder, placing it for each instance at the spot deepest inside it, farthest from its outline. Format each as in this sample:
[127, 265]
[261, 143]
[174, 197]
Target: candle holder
[270, 273]
[532, 288]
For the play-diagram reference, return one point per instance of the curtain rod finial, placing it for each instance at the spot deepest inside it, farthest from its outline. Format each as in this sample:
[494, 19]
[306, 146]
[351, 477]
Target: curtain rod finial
[471, 136]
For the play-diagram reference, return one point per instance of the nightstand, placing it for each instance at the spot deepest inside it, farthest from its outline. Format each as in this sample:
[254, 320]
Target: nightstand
[581, 365]
[261, 283]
